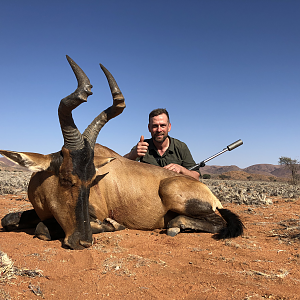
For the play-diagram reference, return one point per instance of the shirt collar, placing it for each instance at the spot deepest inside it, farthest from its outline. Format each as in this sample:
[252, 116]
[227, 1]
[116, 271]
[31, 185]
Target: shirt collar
[170, 149]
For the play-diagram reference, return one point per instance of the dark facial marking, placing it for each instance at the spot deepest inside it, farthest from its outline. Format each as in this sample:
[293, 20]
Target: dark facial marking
[76, 173]
[83, 162]
[82, 214]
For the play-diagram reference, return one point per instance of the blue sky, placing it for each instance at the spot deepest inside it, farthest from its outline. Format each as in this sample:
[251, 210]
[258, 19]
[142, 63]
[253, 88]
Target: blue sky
[225, 70]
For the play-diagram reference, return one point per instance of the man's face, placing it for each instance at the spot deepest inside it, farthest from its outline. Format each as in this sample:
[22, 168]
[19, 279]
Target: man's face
[159, 127]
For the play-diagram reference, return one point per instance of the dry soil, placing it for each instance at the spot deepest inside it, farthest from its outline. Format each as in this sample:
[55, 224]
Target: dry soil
[130, 264]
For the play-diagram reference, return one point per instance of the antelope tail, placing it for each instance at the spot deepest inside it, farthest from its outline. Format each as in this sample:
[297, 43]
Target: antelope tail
[234, 226]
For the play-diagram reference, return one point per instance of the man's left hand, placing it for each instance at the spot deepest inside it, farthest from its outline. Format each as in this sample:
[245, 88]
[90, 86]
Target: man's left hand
[175, 168]
[182, 170]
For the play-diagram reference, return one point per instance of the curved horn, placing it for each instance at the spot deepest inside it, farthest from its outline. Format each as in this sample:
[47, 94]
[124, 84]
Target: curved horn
[92, 131]
[73, 139]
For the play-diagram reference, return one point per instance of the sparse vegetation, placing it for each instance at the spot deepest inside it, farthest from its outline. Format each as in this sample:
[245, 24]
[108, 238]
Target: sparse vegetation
[14, 182]
[9, 271]
[252, 192]
[223, 177]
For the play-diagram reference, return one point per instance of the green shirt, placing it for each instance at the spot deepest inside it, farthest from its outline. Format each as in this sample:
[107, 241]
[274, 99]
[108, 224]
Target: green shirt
[177, 153]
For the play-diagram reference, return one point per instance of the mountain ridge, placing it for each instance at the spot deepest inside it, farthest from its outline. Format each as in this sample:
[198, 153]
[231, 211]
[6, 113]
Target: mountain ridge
[260, 169]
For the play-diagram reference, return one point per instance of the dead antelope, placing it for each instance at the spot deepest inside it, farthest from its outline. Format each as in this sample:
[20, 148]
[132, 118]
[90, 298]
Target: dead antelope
[87, 188]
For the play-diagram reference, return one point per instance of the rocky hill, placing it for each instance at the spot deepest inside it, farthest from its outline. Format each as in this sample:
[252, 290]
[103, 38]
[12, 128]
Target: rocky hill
[4, 162]
[218, 169]
[266, 170]
[8, 165]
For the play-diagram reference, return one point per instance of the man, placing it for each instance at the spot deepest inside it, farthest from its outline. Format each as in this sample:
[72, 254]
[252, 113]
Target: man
[163, 150]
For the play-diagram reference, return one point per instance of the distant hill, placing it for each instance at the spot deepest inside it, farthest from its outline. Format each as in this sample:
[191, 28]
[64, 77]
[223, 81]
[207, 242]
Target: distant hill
[7, 164]
[267, 169]
[218, 169]
[261, 169]
[241, 175]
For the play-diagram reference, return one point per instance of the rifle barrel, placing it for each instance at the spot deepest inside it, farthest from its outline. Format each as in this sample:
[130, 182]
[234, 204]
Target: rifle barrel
[219, 153]
[228, 148]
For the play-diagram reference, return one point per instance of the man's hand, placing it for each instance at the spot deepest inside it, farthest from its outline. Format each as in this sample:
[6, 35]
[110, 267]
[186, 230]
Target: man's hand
[175, 168]
[141, 147]
[139, 151]
[182, 170]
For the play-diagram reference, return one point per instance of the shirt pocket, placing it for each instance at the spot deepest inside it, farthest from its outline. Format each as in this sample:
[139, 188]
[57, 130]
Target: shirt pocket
[173, 160]
[149, 160]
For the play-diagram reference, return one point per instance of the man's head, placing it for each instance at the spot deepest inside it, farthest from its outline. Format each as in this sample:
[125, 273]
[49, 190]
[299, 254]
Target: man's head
[159, 124]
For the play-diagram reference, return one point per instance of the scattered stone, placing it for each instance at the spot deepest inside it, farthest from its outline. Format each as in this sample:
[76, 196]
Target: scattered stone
[251, 192]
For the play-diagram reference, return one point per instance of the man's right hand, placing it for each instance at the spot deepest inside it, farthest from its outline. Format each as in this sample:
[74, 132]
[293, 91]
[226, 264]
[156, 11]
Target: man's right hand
[141, 147]
[139, 151]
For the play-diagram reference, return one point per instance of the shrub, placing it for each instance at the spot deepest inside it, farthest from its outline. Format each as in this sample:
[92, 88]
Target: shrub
[206, 176]
[223, 177]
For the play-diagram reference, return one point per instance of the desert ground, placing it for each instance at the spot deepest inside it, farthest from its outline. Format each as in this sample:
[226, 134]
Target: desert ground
[130, 264]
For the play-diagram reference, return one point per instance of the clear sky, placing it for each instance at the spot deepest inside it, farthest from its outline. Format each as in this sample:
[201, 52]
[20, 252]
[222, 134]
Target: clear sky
[224, 69]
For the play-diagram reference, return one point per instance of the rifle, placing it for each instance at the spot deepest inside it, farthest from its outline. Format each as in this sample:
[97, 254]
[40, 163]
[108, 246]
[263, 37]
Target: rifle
[228, 148]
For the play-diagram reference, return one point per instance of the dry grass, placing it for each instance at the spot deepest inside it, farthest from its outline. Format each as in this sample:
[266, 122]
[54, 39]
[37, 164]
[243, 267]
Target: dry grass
[9, 271]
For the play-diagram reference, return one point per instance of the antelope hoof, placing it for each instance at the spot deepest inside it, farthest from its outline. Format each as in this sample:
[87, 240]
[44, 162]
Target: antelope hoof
[115, 224]
[20, 220]
[11, 221]
[86, 244]
[173, 231]
[42, 232]
[73, 243]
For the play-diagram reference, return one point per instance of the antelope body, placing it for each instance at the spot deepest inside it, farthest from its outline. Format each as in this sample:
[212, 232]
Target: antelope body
[87, 188]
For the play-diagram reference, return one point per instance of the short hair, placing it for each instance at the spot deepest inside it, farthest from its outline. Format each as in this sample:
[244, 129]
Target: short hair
[157, 112]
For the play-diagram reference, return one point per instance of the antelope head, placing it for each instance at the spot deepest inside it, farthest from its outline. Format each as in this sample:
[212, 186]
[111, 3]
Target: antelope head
[72, 169]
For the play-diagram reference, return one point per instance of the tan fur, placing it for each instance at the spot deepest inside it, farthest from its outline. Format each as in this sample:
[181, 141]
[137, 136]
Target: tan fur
[139, 195]
[134, 194]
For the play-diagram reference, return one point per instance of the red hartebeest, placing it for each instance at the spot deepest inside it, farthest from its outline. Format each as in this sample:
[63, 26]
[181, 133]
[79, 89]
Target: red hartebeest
[87, 188]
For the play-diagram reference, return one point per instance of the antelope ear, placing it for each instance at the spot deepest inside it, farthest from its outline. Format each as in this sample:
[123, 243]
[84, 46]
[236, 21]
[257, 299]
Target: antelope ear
[100, 161]
[35, 162]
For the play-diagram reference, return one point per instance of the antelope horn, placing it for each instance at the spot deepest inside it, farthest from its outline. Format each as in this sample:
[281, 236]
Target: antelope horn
[73, 139]
[92, 131]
